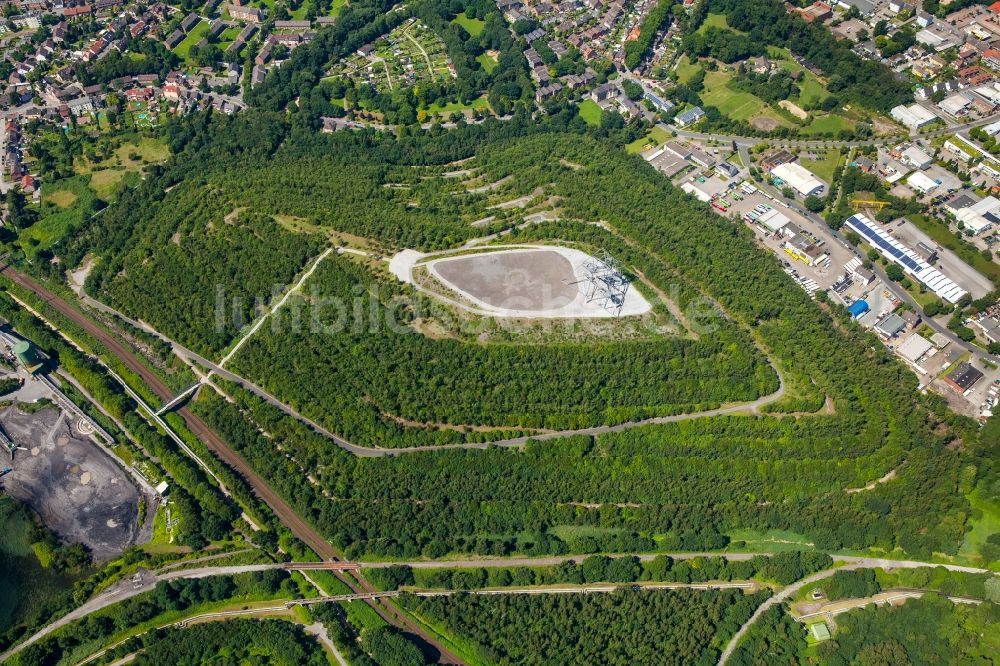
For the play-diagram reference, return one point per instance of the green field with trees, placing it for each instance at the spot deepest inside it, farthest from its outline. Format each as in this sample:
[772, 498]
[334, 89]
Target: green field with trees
[261, 642]
[36, 571]
[168, 601]
[928, 630]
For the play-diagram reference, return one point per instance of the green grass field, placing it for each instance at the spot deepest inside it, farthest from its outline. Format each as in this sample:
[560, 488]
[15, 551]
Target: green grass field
[717, 21]
[478, 104]
[733, 103]
[184, 48]
[488, 63]
[828, 123]
[65, 203]
[590, 112]
[685, 69]
[471, 25]
[811, 91]
[825, 165]
[655, 137]
[988, 523]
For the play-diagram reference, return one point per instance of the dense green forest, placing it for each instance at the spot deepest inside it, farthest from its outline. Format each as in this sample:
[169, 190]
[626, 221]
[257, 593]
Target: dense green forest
[622, 628]
[692, 481]
[552, 386]
[775, 639]
[30, 587]
[783, 568]
[261, 642]
[928, 630]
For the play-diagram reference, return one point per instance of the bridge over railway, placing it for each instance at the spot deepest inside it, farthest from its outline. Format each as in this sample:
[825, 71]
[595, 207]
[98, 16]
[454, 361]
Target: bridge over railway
[180, 397]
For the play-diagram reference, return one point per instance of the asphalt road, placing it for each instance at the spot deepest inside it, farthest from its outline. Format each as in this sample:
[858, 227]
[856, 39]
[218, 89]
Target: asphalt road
[126, 589]
[284, 512]
[819, 143]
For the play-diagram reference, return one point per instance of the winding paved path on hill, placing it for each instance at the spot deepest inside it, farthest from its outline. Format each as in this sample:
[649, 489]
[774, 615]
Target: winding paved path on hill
[752, 407]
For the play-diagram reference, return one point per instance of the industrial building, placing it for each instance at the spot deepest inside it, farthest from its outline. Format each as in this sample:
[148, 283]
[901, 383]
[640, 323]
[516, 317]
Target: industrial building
[914, 348]
[890, 325]
[858, 308]
[907, 259]
[913, 116]
[916, 158]
[956, 105]
[921, 182]
[773, 220]
[696, 193]
[976, 216]
[963, 378]
[799, 179]
[690, 153]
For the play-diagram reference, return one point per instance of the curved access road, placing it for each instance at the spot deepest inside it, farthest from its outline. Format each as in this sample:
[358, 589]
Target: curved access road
[851, 563]
[752, 407]
[362, 451]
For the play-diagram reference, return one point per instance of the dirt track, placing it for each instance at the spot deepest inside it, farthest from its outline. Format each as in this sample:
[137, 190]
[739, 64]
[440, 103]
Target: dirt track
[299, 527]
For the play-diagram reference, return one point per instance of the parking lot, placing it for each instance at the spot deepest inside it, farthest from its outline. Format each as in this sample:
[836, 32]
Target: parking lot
[824, 272]
[948, 262]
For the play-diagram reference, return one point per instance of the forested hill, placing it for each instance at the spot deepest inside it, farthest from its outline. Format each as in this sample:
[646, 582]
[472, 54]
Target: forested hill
[712, 475]
[853, 79]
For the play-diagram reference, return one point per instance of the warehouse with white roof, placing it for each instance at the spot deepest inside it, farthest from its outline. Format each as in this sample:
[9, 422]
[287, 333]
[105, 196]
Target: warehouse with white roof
[773, 220]
[913, 116]
[799, 178]
[992, 129]
[907, 259]
[921, 182]
[980, 216]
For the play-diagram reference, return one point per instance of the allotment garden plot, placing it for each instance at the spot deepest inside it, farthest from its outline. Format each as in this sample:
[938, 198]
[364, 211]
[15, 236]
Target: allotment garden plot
[409, 54]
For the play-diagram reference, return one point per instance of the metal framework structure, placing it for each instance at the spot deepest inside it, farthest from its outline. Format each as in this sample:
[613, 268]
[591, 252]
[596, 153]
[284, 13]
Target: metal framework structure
[606, 282]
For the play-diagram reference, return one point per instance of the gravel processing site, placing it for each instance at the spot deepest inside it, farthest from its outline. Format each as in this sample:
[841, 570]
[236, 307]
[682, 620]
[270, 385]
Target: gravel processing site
[79, 491]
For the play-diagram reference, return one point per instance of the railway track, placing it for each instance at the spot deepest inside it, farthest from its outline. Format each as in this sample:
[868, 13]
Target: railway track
[284, 512]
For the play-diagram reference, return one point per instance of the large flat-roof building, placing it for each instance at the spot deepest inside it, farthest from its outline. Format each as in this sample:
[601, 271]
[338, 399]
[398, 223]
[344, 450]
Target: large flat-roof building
[914, 348]
[921, 182]
[911, 263]
[773, 220]
[963, 378]
[976, 216]
[913, 116]
[917, 158]
[799, 178]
